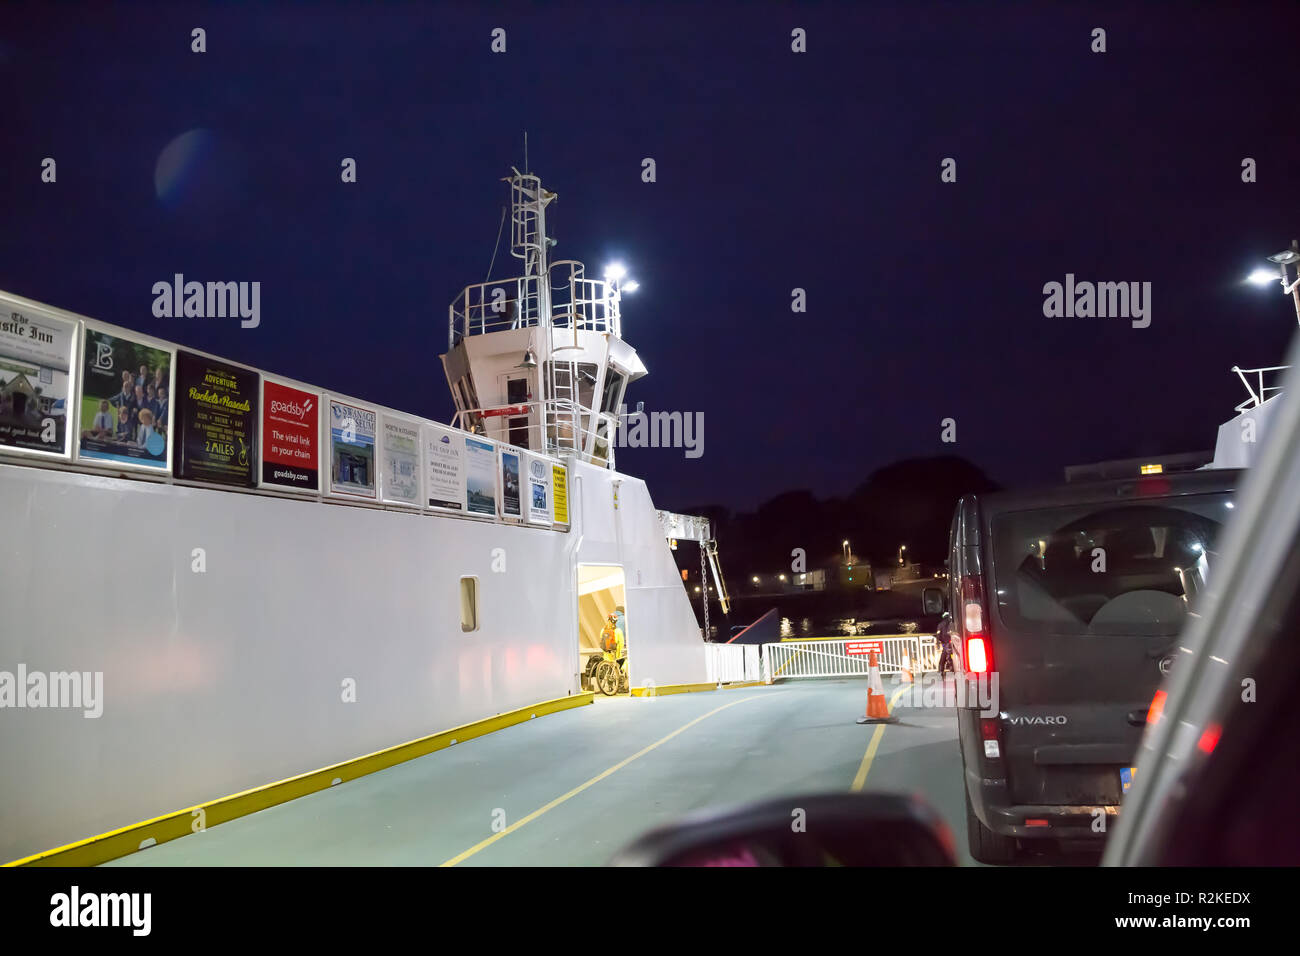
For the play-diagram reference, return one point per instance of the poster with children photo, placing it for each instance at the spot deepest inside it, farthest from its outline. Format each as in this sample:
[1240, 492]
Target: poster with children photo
[125, 401]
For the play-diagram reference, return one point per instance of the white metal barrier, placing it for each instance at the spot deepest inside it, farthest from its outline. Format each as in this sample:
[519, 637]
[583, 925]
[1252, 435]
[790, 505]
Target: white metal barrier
[929, 653]
[732, 663]
[846, 657]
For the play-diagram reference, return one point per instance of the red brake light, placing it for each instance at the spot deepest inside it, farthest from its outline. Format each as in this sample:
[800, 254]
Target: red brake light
[1152, 487]
[978, 658]
[1210, 739]
[1157, 707]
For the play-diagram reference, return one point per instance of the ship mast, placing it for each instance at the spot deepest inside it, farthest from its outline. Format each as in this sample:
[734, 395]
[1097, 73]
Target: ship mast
[563, 397]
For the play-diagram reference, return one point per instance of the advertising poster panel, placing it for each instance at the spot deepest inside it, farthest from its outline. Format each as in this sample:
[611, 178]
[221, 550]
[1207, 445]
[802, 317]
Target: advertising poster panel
[480, 477]
[511, 506]
[215, 420]
[352, 450]
[35, 380]
[560, 493]
[401, 471]
[126, 396]
[444, 468]
[290, 438]
[538, 490]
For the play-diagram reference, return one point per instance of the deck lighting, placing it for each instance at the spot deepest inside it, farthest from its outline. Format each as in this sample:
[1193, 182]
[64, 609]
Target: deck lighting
[1287, 257]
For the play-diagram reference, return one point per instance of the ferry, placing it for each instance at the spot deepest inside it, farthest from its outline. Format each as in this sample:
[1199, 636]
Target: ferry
[261, 579]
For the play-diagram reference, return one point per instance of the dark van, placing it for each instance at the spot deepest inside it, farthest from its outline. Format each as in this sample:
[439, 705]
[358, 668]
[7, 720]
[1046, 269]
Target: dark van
[1072, 598]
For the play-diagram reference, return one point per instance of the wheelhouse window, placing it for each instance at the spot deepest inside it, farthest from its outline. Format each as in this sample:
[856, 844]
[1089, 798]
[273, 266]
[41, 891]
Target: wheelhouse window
[614, 382]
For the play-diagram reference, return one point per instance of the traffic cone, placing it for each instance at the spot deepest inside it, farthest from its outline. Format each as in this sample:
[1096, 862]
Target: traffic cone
[906, 676]
[877, 706]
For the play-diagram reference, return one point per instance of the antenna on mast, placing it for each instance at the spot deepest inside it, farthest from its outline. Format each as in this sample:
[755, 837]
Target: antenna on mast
[526, 166]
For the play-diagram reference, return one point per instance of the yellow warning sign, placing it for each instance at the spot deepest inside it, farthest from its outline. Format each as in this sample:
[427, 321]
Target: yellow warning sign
[560, 493]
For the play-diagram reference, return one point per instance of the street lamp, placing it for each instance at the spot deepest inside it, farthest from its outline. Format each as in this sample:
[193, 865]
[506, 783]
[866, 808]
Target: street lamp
[1287, 257]
[901, 549]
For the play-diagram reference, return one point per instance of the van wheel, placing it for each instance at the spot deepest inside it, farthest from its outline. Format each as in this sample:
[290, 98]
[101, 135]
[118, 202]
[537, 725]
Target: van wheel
[985, 845]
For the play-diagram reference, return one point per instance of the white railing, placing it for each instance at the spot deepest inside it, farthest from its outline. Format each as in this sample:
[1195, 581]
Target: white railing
[590, 305]
[576, 303]
[513, 303]
[844, 657]
[550, 426]
[929, 653]
[732, 663]
[1259, 392]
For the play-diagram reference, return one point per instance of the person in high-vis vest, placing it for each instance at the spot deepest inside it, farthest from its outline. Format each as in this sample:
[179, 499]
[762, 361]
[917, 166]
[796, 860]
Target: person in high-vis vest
[621, 623]
[611, 673]
[611, 639]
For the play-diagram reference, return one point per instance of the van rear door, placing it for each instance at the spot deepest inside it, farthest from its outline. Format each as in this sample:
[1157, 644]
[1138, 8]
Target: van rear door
[1089, 600]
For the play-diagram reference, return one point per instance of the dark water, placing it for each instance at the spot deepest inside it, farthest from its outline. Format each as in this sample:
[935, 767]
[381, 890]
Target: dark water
[830, 613]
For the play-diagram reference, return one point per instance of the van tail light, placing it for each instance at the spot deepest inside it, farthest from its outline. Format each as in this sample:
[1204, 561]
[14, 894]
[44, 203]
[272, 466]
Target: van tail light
[979, 657]
[1210, 739]
[1157, 707]
[989, 734]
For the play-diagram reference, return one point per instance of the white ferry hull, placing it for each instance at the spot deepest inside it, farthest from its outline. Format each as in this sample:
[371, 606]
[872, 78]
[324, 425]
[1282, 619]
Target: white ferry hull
[232, 678]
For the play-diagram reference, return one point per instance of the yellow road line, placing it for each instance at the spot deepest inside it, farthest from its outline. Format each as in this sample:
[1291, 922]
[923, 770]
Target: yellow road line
[865, 767]
[461, 857]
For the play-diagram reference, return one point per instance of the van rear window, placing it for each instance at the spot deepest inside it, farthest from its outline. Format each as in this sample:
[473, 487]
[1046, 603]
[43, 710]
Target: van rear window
[1115, 569]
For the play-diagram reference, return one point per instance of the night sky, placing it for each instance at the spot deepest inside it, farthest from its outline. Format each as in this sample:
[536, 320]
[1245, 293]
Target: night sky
[776, 170]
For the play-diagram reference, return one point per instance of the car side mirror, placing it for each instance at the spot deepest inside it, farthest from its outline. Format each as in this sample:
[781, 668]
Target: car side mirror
[851, 829]
[933, 600]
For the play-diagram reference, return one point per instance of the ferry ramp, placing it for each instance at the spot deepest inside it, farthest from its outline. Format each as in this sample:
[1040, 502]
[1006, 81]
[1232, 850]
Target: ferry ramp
[572, 788]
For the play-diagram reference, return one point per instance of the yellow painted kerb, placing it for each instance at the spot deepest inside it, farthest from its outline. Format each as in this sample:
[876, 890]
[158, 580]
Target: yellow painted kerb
[665, 689]
[116, 843]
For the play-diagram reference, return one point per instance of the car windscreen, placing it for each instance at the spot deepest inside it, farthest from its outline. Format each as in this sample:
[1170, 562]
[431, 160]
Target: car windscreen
[1131, 568]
